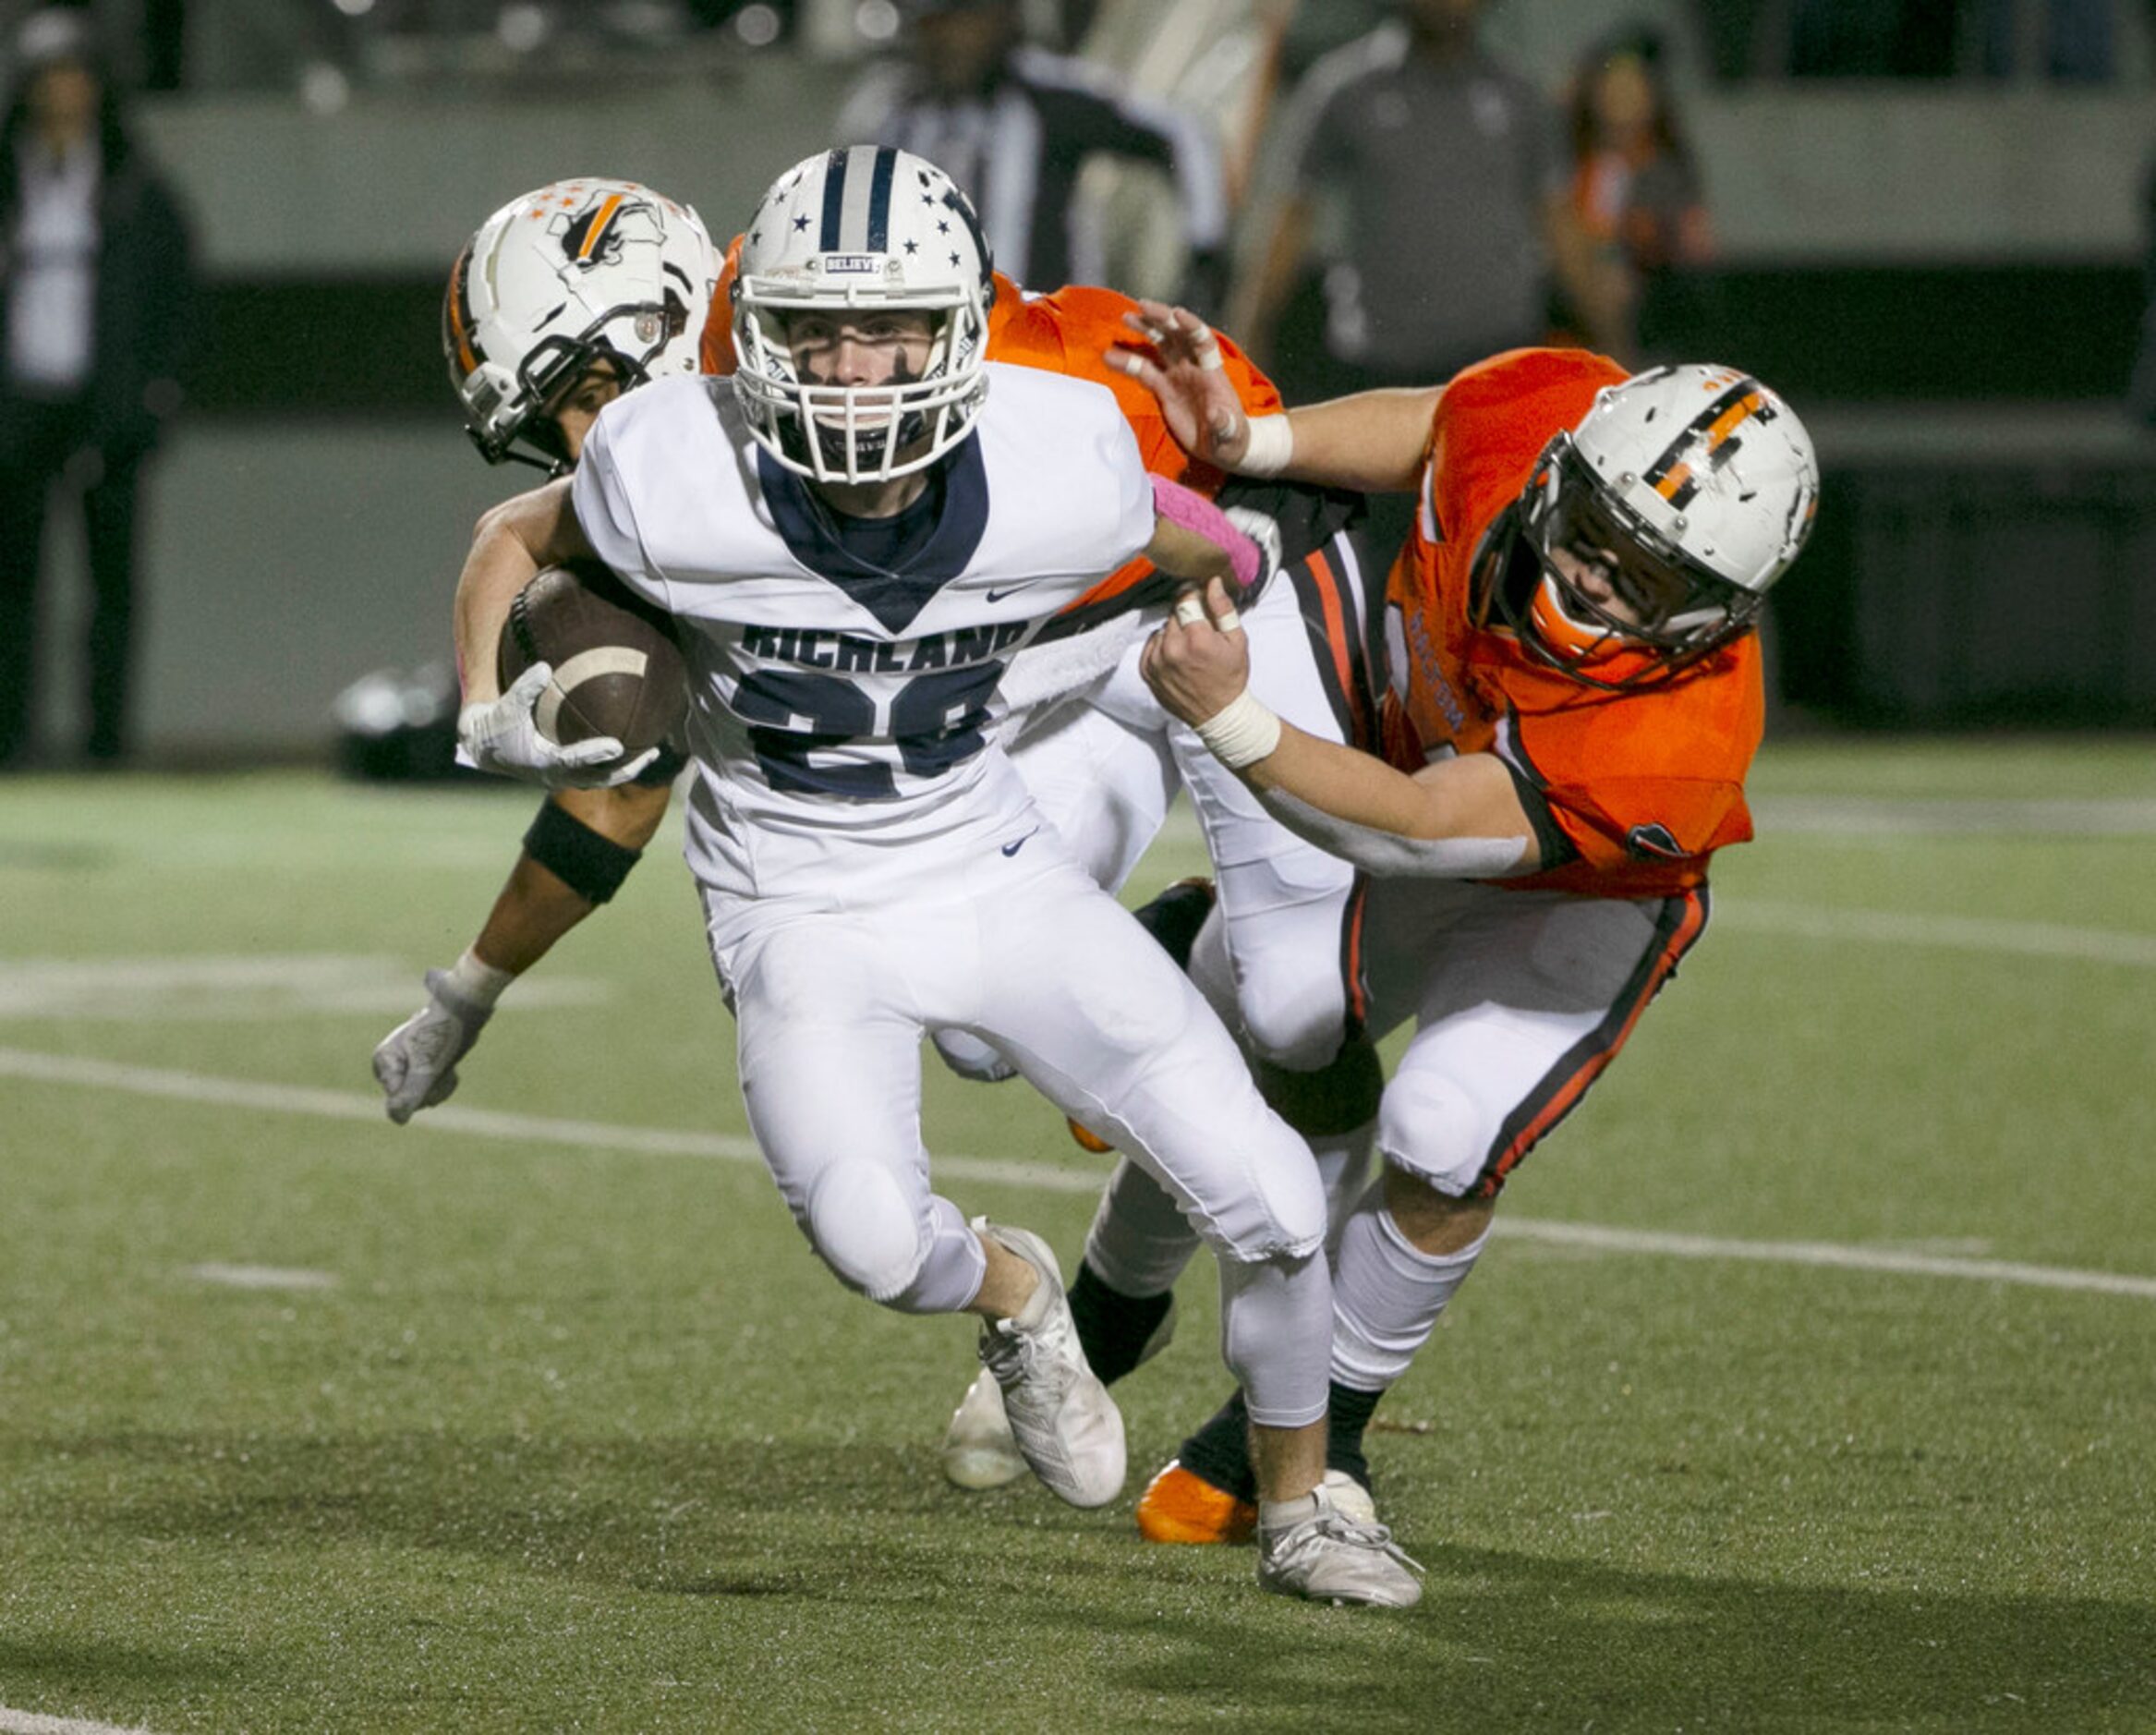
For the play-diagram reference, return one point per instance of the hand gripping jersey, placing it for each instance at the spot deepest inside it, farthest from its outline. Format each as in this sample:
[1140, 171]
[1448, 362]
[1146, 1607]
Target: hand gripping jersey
[837, 700]
[1631, 792]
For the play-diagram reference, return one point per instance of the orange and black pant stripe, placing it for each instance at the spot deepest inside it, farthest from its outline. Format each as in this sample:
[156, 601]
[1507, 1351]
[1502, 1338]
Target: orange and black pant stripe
[1678, 928]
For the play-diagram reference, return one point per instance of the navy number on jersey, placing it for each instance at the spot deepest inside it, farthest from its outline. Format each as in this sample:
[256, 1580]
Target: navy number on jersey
[796, 718]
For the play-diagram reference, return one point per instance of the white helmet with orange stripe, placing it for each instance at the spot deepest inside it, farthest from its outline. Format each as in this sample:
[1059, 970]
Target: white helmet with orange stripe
[581, 272]
[1687, 491]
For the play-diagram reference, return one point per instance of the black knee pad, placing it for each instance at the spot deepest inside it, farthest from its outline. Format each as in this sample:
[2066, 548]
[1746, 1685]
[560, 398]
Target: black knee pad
[1336, 1098]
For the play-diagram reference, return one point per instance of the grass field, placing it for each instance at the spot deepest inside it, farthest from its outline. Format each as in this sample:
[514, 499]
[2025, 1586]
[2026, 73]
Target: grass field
[1811, 1386]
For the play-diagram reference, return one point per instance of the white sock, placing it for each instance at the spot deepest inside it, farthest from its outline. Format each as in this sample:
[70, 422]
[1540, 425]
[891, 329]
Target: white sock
[1386, 1294]
[1139, 1242]
[1286, 1514]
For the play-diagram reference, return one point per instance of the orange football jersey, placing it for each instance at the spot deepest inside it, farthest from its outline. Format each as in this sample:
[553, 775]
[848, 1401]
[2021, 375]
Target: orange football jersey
[1631, 792]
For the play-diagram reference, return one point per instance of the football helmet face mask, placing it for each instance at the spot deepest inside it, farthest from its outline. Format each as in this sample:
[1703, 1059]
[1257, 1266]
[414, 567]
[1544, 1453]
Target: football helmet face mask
[578, 273]
[1688, 491]
[847, 235]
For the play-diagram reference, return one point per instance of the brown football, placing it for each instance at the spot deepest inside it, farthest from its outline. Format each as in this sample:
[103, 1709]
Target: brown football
[617, 670]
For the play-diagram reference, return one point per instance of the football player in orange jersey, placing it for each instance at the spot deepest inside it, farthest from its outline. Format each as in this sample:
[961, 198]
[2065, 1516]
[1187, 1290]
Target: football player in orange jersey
[1574, 696]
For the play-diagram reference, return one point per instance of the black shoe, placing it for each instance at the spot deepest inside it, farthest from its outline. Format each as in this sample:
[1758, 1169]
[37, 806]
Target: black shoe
[1174, 917]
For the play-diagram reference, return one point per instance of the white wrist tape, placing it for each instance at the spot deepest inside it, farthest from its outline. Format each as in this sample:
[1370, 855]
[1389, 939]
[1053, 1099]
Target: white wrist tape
[1242, 734]
[478, 979]
[1271, 446]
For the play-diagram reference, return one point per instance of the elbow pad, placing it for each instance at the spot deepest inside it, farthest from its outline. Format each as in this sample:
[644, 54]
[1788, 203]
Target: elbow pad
[1386, 854]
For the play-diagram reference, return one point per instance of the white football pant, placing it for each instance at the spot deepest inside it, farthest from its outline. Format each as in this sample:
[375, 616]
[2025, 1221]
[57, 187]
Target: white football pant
[1019, 948]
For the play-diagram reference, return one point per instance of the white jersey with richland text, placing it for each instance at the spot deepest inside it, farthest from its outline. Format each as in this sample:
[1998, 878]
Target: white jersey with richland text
[839, 707]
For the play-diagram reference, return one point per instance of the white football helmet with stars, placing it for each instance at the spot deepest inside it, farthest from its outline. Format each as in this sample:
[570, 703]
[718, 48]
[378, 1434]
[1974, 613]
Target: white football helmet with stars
[857, 230]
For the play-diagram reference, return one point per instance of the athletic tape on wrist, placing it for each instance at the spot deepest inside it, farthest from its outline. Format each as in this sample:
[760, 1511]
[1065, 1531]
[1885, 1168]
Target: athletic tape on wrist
[590, 865]
[1270, 448]
[1242, 733]
[478, 981]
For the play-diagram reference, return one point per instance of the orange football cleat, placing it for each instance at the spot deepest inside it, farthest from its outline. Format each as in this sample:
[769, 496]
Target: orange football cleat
[1180, 1506]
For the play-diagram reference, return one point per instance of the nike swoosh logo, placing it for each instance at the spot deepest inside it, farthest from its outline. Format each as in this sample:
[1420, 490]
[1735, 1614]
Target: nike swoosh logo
[1008, 590]
[1013, 849]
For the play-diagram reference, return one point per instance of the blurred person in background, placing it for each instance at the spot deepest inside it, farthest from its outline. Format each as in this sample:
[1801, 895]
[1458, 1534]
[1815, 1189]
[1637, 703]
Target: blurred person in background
[1426, 222]
[1636, 194]
[2141, 388]
[1015, 126]
[94, 297]
[1428, 206]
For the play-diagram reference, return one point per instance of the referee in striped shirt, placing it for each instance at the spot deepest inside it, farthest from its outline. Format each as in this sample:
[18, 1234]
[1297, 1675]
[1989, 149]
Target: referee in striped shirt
[1014, 126]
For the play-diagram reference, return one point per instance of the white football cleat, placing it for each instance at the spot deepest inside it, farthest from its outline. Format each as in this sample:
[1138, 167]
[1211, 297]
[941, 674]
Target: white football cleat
[1350, 1499]
[1065, 1425]
[1327, 1557]
[979, 1450]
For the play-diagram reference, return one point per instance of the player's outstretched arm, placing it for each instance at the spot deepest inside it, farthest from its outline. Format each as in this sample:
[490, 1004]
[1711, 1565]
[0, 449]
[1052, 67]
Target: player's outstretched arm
[576, 855]
[1374, 441]
[1460, 819]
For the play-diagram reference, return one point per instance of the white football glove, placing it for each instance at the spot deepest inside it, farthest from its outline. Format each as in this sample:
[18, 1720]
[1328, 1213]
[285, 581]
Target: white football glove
[1264, 529]
[415, 1064]
[504, 736]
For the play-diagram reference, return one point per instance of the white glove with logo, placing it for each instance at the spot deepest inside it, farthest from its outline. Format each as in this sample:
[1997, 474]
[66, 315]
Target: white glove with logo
[415, 1064]
[504, 736]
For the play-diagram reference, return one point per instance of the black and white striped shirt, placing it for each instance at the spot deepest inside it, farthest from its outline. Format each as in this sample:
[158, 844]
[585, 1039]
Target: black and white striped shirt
[1017, 149]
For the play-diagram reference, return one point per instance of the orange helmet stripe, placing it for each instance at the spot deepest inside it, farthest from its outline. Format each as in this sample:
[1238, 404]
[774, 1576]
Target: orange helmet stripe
[1726, 417]
[597, 232]
[460, 330]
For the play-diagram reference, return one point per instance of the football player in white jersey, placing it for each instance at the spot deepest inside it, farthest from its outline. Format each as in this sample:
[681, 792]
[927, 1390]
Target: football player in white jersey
[563, 299]
[853, 535]
[548, 315]
[532, 301]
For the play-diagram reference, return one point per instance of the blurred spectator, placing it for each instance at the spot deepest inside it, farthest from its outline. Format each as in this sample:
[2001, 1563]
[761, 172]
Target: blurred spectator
[94, 292]
[1636, 193]
[1427, 185]
[1013, 126]
[2141, 389]
[1872, 39]
[2071, 42]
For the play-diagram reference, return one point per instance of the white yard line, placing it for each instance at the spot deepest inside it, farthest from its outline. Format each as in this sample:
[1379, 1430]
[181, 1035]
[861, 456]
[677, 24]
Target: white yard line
[30, 1723]
[260, 1277]
[1954, 933]
[1949, 816]
[1893, 1260]
[60, 1069]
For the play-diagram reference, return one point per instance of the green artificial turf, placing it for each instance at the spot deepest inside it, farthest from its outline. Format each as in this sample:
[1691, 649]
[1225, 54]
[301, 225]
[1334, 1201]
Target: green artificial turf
[555, 1434]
